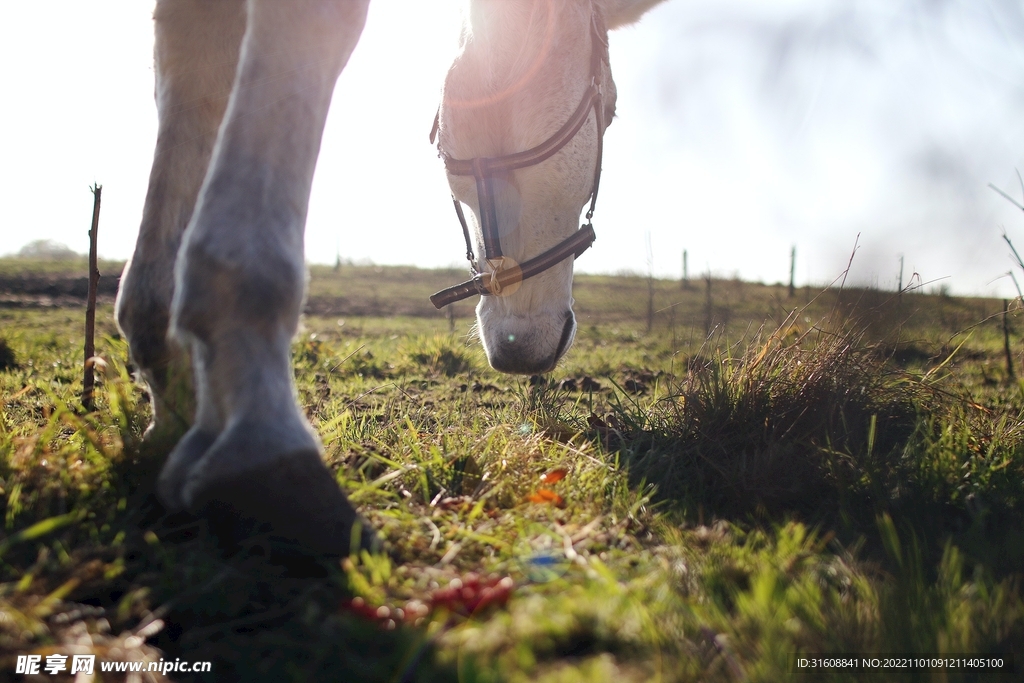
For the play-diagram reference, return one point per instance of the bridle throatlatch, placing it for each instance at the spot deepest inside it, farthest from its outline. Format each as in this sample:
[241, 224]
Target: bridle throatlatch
[505, 272]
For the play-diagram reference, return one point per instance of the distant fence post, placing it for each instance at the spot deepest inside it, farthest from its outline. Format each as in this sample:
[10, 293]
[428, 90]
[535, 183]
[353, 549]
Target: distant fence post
[792, 272]
[899, 287]
[709, 309]
[650, 285]
[686, 271]
[1006, 341]
[90, 308]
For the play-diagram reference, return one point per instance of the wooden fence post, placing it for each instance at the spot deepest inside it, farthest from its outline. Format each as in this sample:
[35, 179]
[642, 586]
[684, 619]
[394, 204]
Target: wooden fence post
[90, 308]
[792, 272]
[899, 287]
[709, 308]
[1006, 341]
[650, 284]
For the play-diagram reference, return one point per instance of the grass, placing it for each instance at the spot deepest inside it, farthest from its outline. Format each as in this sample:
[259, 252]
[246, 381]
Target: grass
[836, 476]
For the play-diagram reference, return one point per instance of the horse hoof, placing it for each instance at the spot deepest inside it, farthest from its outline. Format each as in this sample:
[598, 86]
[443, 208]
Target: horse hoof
[292, 498]
[174, 475]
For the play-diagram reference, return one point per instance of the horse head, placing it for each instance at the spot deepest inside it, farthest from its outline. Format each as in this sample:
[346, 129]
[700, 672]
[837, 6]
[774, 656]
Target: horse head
[521, 124]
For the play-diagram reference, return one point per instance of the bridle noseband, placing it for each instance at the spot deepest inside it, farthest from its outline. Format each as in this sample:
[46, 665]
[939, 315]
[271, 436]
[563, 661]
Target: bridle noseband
[482, 169]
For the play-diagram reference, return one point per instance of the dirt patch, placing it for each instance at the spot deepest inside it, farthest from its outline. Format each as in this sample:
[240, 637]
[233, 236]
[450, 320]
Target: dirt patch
[53, 290]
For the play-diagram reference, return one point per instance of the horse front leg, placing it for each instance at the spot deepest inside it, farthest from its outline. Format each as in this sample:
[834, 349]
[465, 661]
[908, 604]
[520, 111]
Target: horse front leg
[240, 284]
[195, 56]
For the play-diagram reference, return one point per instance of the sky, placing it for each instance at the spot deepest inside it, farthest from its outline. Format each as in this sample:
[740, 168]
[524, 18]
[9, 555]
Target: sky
[744, 128]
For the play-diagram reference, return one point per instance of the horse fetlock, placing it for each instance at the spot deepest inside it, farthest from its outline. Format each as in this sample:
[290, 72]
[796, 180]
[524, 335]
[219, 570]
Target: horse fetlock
[172, 397]
[245, 374]
[143, 313]
[259, 399]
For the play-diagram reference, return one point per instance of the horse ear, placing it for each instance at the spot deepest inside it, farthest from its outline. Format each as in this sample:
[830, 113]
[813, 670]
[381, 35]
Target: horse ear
[621, 12]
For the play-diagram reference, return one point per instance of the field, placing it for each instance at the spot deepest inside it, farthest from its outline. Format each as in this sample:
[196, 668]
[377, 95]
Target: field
[719, 480]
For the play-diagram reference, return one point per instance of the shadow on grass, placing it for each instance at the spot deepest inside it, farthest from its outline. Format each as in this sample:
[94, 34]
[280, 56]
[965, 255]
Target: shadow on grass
[923, 484]
[119, 577]
[824, 430]
[258, 610]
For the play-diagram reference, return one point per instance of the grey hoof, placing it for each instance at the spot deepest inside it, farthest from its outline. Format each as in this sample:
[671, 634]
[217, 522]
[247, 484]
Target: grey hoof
[293, 498]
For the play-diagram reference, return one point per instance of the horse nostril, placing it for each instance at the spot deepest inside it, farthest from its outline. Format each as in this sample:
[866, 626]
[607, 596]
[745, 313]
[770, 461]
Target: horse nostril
[566, 338]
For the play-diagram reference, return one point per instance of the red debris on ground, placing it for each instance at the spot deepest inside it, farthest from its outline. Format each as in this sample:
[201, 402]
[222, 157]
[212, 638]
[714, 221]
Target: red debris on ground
[554, 476]
[464, 596]
[471, 594]
[546, 496]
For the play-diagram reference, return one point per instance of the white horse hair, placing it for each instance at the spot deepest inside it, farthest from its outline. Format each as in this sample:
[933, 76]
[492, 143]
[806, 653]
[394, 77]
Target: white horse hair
[211, 298]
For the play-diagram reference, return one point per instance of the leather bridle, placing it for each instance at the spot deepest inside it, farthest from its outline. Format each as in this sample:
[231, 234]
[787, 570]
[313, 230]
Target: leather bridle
[505, 272]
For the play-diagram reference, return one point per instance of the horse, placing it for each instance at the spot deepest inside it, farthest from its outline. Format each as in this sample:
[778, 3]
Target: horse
[211, 298]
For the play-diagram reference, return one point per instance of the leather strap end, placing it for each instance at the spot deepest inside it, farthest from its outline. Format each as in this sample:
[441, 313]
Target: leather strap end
[586, 237]
[463, 290]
